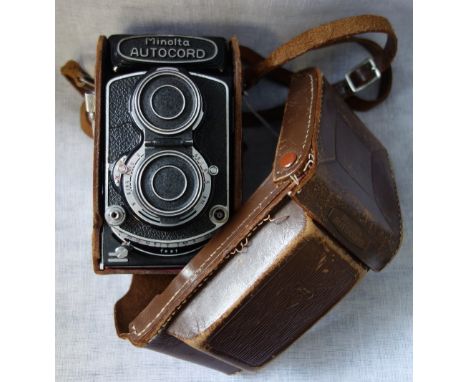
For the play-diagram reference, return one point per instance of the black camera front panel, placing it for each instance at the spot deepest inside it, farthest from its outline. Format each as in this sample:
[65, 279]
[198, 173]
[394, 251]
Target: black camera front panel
[167, 164]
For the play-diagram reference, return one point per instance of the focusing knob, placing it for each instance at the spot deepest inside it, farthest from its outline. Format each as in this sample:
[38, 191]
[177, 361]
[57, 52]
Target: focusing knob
[121, 252]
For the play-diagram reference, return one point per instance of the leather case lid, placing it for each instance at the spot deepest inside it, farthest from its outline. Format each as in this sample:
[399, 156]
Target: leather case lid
[223, 245]
[347, 182]
[297, 140]
[227, 241]
[309, 124]
[352, 191]
[290, 274]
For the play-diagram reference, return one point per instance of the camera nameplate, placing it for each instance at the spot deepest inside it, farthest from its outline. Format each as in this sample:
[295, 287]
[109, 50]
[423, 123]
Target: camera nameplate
[167, 49]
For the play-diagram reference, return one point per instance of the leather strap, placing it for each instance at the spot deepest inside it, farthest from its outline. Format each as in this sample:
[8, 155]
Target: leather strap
[78, 77]
[82, 81]
[282, 76]
[86, 124]
[141, 291]
[336, 32]
[325, 35]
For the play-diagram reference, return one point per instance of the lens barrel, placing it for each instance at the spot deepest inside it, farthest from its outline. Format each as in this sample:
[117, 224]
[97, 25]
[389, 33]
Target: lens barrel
[169, 183]
[167, 102]
[168, 188]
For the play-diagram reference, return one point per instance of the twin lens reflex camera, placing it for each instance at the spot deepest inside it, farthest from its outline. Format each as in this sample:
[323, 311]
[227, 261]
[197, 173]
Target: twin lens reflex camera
[168, 128]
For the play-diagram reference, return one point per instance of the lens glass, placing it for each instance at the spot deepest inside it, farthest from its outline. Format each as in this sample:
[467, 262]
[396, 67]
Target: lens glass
[168, 102]
[169, 184]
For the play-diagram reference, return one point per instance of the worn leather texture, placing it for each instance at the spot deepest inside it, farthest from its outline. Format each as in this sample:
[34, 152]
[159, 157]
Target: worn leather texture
[289, 275]
[302, 113]
[306, 267]
[352, 192]
[328, 34]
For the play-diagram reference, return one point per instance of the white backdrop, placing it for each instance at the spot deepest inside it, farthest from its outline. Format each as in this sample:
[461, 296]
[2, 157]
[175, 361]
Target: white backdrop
[367, 337]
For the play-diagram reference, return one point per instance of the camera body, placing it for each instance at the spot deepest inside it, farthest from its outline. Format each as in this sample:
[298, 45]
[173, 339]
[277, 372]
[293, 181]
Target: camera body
[167, 167]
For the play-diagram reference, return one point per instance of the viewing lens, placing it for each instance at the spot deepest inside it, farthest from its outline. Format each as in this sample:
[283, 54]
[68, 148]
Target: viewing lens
[166, 102]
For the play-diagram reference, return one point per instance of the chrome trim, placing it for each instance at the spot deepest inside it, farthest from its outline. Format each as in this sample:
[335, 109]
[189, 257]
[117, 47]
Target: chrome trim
[143, 122]
[164, 61]
[375, 70]
[141, 207]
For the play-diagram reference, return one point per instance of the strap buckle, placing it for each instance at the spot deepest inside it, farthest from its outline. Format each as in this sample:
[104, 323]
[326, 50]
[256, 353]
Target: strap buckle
[90, 107]
[359, 72]
[78, 77]
[90, 104]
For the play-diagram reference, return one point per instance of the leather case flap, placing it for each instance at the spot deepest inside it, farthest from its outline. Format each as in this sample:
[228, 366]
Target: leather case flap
[351, 191]
[296, 149]
[238, 160]
[227, 242]
[266, 296]
[97, 175]
[346, 179]
[233, 236]
[361, 186]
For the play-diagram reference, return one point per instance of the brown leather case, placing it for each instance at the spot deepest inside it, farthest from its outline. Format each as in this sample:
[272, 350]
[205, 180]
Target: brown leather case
[98, 219]
[327, 213]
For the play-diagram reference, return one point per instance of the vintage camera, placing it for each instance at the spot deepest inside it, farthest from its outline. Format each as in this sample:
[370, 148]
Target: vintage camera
[168, 126]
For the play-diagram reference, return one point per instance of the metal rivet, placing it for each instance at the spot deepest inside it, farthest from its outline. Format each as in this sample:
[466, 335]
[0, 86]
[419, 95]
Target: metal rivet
[114, 215]
[288, 159]
[219, 214]
[213, 170]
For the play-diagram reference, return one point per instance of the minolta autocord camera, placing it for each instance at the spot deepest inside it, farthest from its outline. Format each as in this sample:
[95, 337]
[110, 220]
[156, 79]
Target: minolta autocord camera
[167, 111]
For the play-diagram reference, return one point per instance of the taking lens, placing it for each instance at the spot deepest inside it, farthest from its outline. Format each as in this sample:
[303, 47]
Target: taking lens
[169, 183]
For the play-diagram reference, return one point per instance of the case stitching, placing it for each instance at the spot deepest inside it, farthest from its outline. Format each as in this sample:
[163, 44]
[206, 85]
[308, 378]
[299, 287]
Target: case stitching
[308, 123]
[228, 256]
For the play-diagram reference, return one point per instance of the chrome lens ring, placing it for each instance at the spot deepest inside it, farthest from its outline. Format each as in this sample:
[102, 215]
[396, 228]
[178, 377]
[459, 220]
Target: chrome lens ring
[167, 102]
[183, 198]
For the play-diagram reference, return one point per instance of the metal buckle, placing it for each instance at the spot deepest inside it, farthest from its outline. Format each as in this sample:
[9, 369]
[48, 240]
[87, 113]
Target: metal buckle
[374, 69]
[90, 106]
[90, 103]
